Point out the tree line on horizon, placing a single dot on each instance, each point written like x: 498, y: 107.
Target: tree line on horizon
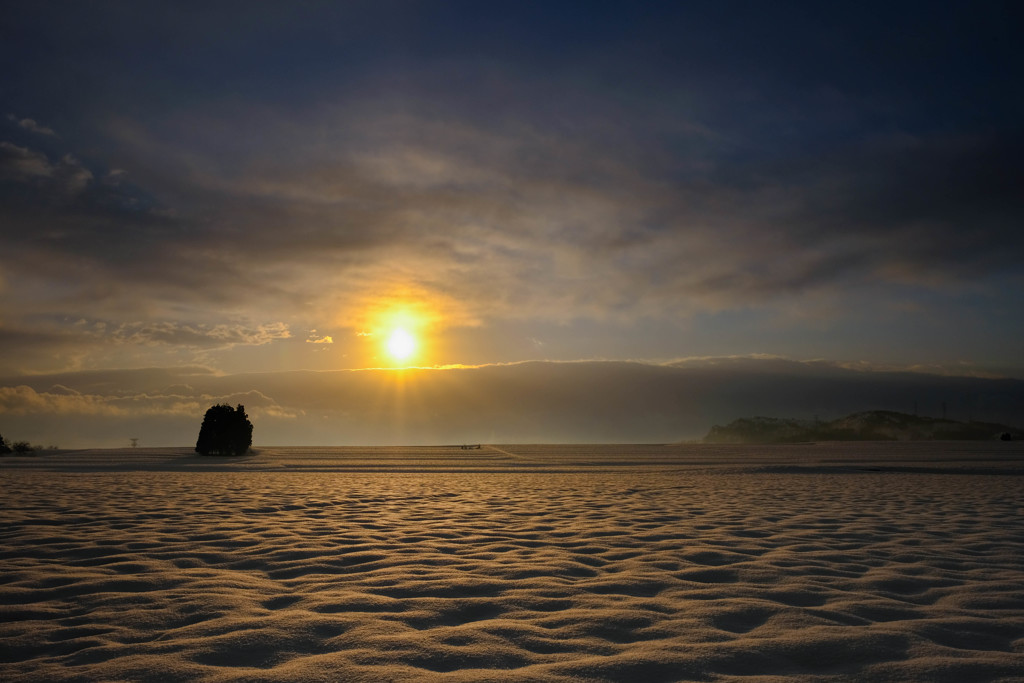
x: 21, y: 447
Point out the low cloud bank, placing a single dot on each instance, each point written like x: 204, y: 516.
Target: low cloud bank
x: 524, y: 402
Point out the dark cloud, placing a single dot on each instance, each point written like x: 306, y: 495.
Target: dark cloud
x: 939, y: 206
x: 474, y: 197
x: 60, y: 207
x: 944, y: 208
x: 633, y: 164
x: 922, y: 211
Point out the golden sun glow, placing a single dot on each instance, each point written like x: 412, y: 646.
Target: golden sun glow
x: 399, y: 330
x: 401, y: 344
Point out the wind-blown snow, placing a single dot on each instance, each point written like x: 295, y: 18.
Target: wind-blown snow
x: 832, y: 562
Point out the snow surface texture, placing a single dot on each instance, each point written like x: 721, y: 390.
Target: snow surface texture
x: 829, y: 562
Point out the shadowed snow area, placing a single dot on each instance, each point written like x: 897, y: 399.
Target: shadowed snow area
x: 816, y: 562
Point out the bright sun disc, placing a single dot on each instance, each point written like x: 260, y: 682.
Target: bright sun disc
x: 401, y: 344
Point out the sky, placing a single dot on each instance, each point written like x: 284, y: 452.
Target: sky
x: 248, y: 202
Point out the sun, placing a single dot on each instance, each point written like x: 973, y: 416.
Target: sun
x: 401, y: 344
x: 399, y: 332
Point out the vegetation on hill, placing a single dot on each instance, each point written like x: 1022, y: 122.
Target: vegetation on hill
x: 872, y: 425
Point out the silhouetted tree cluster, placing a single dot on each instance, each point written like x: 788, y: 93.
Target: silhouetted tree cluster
x: 225, y: 431
x: 18, y: 447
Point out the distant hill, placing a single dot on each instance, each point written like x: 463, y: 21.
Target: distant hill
x: 872, y: 425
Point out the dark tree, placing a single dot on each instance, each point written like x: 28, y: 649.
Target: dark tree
x: 4, y: 448
x: 225, y: 431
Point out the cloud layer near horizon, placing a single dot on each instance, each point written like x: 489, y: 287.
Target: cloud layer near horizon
x: 521, y: 402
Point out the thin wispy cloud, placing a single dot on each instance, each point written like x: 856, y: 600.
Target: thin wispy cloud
x: 32, y: 125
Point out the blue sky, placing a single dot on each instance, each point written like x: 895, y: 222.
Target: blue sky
x: 275, y: 187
